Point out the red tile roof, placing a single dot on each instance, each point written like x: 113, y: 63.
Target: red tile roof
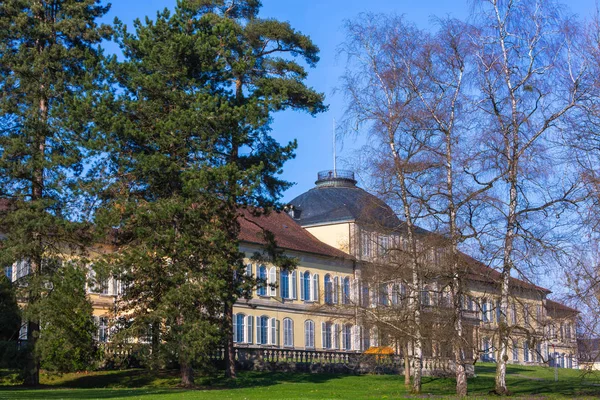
x: 288, y: 234
x: 556, y: 306
x: 479, y: 271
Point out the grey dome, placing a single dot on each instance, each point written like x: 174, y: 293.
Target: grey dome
x: 336, y: 198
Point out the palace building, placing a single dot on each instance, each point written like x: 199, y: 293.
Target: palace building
x: 336, y: 231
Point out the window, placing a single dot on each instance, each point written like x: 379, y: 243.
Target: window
x: 272, y: 282
x: 538, y: 350
x: 262, y: 330
x: 288, y: 332
x: 515, y: 350
x: 366, y: 244
x: 347, y: 337
x: 383, y: 295
x: 485, y: 311
x: 23, y: 268
x: 346, y: 291
x: 248, y: 270
x: 23, y: 331
x: 526, y: 314
x: 539, y: 315
x: 262, y: 285
x: 498, y: 311
x: 567, y: 331
x: 8, y: 272
x: 309, y: 334
x: 525, y: 351
x: 487, y: 350
x: 514, y: 314
x: 284, y: 285
x: 328, y: 289
x: 470, y: 304
x: 326, y: 334
x: 305, y: 286
x: 103, y: 329
x: 366, y: 337
x: 309, y: 286
x: 238, y: 328
x: 425, y: 297
x: 365, y: 295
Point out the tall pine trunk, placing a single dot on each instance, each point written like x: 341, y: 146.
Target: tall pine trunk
x: 230, y: 349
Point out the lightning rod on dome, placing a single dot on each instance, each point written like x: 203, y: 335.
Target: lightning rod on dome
x: 334, y: 166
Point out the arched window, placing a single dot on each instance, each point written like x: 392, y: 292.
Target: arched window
x: 515, y: 351
x: 347, y: 337
x: 309, y: 334
x: 262, y: 330
x: 328, y: 289
x: 238, y: 328
x: 305, y: 285
x: 288, y: 332
x: 262, y: 286
x: 525, y: 351
x: 346, y: 291
x: 284, y: 285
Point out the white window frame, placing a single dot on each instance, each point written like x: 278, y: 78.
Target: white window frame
x: 288, y: 332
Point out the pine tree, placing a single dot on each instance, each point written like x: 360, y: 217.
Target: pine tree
x: 192, y: 145
x: 67, y: 343
x: 48, y: 71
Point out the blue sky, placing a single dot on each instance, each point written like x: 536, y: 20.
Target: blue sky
x: 322, y: 20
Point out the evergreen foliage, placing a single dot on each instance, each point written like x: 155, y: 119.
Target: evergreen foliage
x: 67, y: 343
x: 10, y: 322
x: 189, y: 144
x: 48, y: 72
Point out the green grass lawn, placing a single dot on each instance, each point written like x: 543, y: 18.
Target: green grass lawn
x: 528, y: 382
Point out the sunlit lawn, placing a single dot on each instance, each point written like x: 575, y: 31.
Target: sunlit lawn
x: 529, y: 382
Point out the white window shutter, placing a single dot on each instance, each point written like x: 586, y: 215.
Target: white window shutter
x: 336, y: 336
x: 249, y: 320
x: 323, y: 336
x: 302, y: 287
x: 272, y: 331
x: 249, y: 270
x: 356, y: 337
x: 315, y: 293
x: 258, y: 329
x: 293, y: 285
x: 354, y: 291
x: 306, y: 342
x: 235, y: 338
x: 272, y: 280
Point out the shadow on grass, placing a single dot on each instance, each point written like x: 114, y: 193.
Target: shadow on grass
x: 140, y: 383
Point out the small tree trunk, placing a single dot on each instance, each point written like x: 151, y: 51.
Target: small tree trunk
x: 406, y: 367
x: 229, y: 348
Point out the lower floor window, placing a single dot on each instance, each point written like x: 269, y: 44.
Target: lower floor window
x: 288, y: 332
x: 309, y: 334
